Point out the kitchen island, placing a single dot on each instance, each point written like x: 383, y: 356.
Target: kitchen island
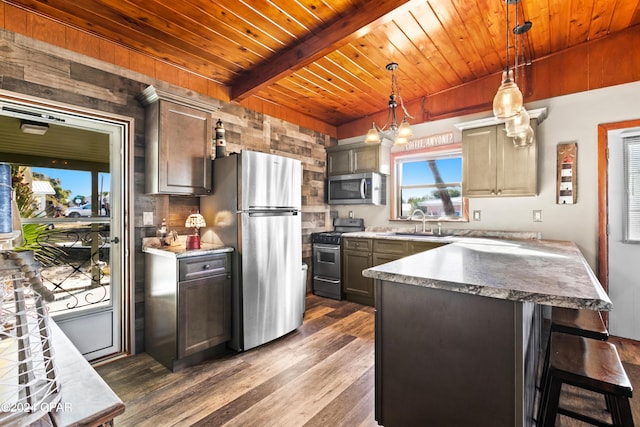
x: 458, y: 328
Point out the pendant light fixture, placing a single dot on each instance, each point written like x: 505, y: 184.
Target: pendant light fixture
x: 508, y: 99
x: 508, y: 102
x: 399, y: 134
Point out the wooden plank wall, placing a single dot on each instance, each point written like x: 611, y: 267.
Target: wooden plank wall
x: 35, y: 68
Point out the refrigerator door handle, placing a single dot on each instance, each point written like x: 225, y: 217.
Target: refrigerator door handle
x: 363, y: 188
x: 272, y: 208
x: 273, y: 213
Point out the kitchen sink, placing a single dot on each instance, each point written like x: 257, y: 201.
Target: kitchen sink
x: 410, y: 234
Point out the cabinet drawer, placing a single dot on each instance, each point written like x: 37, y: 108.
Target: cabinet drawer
x: 357, y: 244
x: 203, y: 266
x: 390, y: 246
x: 415, y: 247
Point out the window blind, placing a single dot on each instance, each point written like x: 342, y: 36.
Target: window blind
x: 632, y: 188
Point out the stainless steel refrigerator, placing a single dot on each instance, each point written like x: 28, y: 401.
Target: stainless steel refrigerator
x: 255, y: 207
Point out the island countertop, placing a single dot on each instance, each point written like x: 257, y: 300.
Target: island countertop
x: 545, y: 272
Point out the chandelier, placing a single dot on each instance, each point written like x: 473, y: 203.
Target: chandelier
x: 399, y: 134
x: 508, y: 101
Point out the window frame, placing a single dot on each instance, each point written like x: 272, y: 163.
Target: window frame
x: 418, y: 154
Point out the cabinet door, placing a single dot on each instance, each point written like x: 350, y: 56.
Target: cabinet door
x: 366, y: 159
x: 357, y: 287
x: 339, y: 162
x: 184, y: 157
x: 204, y: 313
x: 479, y: 161
x: 516, y: 166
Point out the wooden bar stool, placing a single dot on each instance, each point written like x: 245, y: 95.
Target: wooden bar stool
x: 582, y: 322
x: 588, y: 364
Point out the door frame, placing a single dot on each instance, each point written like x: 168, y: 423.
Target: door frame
x: 603, y: 199
x: 126, y: 232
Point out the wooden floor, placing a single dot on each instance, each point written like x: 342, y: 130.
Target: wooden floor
x: 320, y: 375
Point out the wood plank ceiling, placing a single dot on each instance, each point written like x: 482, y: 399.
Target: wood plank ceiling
x: 327, y: 58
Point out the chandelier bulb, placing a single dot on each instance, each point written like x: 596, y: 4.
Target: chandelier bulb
x: 404, y: 131
x: 372, y: 135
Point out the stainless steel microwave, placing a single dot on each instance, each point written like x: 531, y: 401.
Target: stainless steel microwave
x: 357, y: 189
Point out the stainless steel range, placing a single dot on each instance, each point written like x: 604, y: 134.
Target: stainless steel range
x: 326, y: 257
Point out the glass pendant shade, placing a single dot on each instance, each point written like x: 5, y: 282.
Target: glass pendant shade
x: 517, y: 124
x: 404, y: 131
x: 508, y: 100
x: 525, y: 138
x: 372, y: 135
x: 399, y: 140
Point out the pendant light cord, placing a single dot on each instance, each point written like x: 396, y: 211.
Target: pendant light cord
x: 506, y: 32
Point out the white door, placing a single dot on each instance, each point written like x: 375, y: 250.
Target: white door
x: 624, y: 269
x: 86, y: 269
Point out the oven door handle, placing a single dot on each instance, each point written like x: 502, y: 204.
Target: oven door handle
x: 325, y: 279
x: 326, y: 247
x: 363, y: 188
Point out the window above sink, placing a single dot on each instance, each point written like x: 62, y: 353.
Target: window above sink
x: 429, y: 180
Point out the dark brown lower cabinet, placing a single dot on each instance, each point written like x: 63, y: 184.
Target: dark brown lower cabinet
x: 359, y: 254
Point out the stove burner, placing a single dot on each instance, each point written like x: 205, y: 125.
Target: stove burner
x: 340, y: 226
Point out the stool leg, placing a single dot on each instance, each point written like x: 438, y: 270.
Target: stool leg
x: 551, y: 403
x: 621, y: 412
x: 544, y: 392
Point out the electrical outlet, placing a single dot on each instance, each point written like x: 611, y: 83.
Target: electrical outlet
x: 537, y: 216
x: 147, y: 218
x: 476, y: 215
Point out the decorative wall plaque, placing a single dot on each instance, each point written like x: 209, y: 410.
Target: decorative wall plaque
x: 567, y: 186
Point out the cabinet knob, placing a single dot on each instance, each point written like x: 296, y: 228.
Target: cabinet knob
x: 205, y: 267
x: 499, y: 192
x: 493, y: 192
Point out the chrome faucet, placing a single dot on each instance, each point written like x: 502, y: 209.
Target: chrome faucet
x: 424, y: 219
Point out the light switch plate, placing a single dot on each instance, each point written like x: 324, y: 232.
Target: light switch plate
x: 537, y: 216
x: 476, y: 215
x: 147, y: 218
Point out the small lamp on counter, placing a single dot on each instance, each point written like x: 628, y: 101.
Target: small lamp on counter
x: 195, y: 221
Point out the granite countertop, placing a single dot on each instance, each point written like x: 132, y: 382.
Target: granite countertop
x: 177, y: 248
x: 541, y: 271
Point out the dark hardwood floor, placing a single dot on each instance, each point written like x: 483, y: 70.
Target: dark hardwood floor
x: 320, y: 375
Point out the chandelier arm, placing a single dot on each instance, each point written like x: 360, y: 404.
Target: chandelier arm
x: 384, y: 126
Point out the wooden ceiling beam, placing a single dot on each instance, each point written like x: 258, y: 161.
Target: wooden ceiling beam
x: 336, y: 35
